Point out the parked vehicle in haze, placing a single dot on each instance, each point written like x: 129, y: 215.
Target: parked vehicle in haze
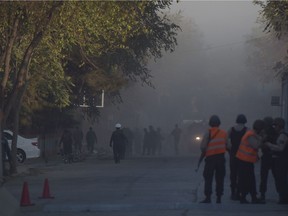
x: 26, y: 147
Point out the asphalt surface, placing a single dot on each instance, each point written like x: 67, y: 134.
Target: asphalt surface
x: 137, y: 186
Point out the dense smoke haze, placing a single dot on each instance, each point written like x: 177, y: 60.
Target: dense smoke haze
x: 212, y: 71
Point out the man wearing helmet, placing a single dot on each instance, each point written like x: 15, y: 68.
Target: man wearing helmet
x: 247, y: 155
x: 117, y: 142
x: 214, y: 146
x: 235, y: 134
x: 280, y: 160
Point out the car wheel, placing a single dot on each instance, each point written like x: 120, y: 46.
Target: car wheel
x: 21, y: 156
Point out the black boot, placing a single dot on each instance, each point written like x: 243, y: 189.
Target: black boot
x: 206, y: 200
x: 218, y: 200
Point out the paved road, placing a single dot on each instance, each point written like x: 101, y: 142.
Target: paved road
x: 139, y: 186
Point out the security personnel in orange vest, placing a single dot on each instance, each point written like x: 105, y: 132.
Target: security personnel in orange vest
x: 248, y: 155
x: 214, y: 146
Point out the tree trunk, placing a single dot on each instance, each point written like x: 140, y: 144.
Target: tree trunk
x: 15, y: 129
x: 19, y: 87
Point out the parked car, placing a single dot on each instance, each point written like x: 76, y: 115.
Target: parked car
x: 26, y: 147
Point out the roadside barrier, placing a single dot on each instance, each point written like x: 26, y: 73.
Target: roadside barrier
x: 25, y: 198
x: 46, y: 191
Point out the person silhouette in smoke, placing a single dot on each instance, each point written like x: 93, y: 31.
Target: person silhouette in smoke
x: 145, y: 148
x: 117, y: 142
x: 176, y: 133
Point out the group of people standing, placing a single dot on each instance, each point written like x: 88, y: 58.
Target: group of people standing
x: 125, y: 143
x: 70, y: 141
x: 122, y: 141
x: 152, y: 141
x: 243, y: 145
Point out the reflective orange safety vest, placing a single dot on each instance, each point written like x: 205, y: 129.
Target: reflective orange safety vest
x: 245, y: 151
x: 217, y: 143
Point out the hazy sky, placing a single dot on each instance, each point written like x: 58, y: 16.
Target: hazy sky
x: 222, y: 22
x: 196, y: 82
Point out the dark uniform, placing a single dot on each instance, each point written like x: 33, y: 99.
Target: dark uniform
x: 248, y: 155
x: 66, y: 141
x: 235, y: 139
x: 91, y: 139
x: 118, y: 141
x: 266, y: 159
x: 280, y: 160
x: 214, y: 146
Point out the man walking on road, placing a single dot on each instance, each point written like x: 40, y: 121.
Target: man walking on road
x: 214, y: 146
x: 91, y: 139
x: 117, y: 142
x: 66, y: 145
x: 176, y: 133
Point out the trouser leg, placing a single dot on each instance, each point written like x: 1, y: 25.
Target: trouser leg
x: 233, y: 175
x: 253, y: 190
x: 243, y: 179
x: 275, y: 174
x: 281, y: 179
x: 219, y: 177
x: 264, y: 170
x: 208, y: 177
x: 115, y: 154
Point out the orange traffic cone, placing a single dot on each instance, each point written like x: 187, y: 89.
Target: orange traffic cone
x: 46, y: 191
x: 25, y: 199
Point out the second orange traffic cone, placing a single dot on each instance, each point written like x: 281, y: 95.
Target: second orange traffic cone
x: 46, y: 191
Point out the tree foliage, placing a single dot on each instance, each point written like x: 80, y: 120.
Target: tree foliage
x: 275, y: 17
x: 51, y: 51
x: 87, y: 45
x: 275, y: 14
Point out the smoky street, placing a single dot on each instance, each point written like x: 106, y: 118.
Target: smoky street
x: 136, y: 186
x: 131, y: 108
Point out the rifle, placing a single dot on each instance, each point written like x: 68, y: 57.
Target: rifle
x: 202, y: 156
